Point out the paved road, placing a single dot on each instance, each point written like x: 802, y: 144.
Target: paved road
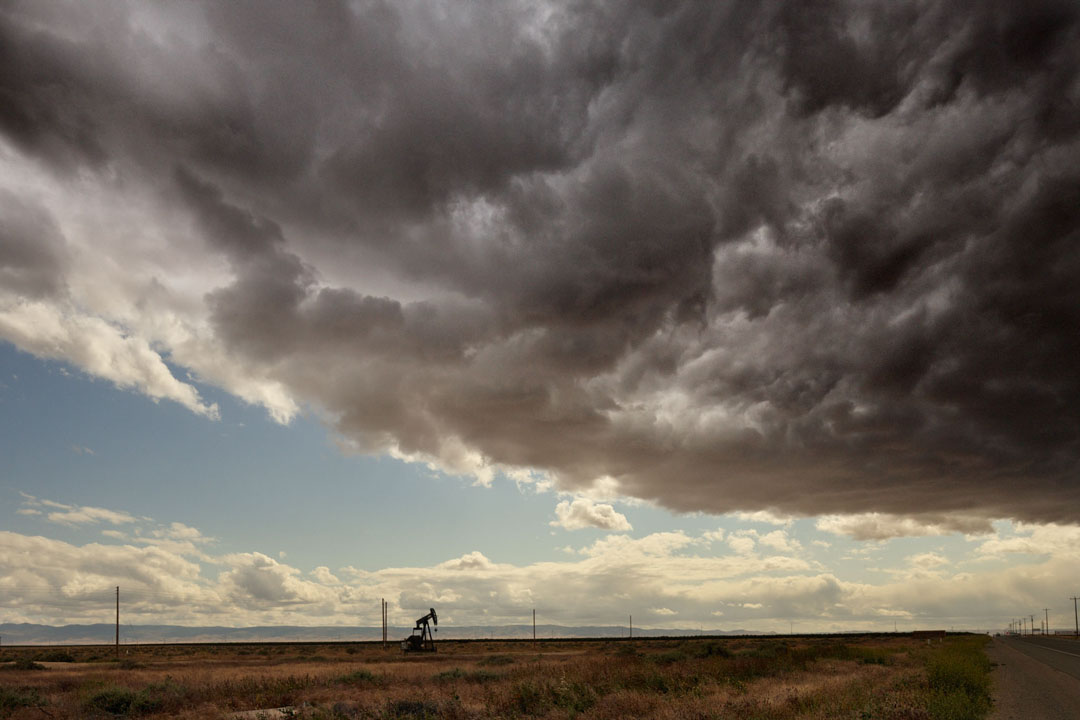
x: 1036, y: 678
x: 1059, y: 653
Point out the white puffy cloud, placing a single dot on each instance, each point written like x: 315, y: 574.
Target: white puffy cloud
x: 469, y: 561
x: 882, y: 526
x: 927, y: 560
x: 88, y: 515
x: 323, y: 575
x: 181, y: 532
x: 741, y: 544
x: 584, y: 513
x: 72, y: 515
x: 97, y: 347
x: 765, y: 517
x: 672, y: 577
x: 1062, y: 541
x: 780, y: 541
x: 714, y: 535
x: 256, y: 580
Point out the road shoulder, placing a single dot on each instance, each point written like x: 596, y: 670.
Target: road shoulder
x: 1025, y: 688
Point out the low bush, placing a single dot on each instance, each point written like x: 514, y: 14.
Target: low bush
x: 669, y: 657
x: 476, y: 676
x: 494, y: 660
x: 12, y: 698
x: 710, y: 649
x: 121, y: 701
x: 411, y: 709
x: 958, y: 675
x: 359, y: 677
x: 528, y: 698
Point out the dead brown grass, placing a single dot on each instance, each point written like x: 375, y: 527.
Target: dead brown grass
x: 763, y: 679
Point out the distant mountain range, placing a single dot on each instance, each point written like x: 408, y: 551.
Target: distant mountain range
x: 104, y: 633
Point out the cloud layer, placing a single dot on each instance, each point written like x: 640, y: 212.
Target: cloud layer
x: 170, y: 573
x: 804, y: 257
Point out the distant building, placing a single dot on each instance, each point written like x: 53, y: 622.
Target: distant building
x: 928, y: 634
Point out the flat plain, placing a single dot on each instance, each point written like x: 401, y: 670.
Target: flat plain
x: 889, y: 677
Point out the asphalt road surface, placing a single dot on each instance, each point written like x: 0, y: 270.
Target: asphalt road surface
x: 1036, y: 678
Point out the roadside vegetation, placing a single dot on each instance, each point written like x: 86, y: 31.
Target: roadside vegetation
x: 958, y: 680
x: 883, y: 677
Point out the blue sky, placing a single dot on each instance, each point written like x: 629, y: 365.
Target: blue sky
x: 585, y: 307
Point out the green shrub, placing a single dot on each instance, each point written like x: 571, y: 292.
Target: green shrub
x: 11, y: 699
x: 411, y: 709
x: 121, y: 701
x: 669, y: 657
x: 528, y: 698
x: 863, y: 655
x: 25, y: 663
x: 576, y: 697
x: 452, y: 674
x: 359, y: 677
x: 710, y: 649
x: 958, y: 676
x: 55, y: 656
x: 492, y: 660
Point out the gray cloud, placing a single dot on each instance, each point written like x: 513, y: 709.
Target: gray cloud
x: 32, y: 249
x: 815, y: 258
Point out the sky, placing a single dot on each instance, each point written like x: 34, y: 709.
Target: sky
x: 744, y: 315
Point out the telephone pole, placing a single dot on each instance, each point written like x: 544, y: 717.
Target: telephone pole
x: 117, y: 622
x: 383, y: 607
x: 1075, y: 620
x: 631, y: 627
x: 1032, y: 625
x: 534, y: 626
x: 1046, y: 627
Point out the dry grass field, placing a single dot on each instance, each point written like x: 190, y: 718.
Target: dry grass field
x: 880, y: 677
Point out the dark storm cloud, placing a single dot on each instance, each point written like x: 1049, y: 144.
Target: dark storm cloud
x: 819, y: 257
x: 32, y: 249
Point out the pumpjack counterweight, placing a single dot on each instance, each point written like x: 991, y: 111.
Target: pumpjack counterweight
x: 422, y: 638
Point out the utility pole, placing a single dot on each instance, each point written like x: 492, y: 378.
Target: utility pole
x: 1031, y: 627
x: 534, y: 626
x: 117, y: 622
x: 1046, y: 626
x: 631, y: 627
x: 1075, y: 620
